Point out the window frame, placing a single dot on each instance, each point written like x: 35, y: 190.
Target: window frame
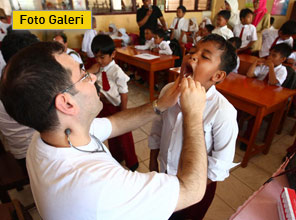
x: 209, y: 5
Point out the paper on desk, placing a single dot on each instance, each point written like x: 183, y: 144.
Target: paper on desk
x: 147, y: 56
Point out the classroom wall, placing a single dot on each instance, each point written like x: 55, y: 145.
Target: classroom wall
x: 129, y: 21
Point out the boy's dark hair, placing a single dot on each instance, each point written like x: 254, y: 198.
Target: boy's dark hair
x: 244, y: 12
x: 271, y: 20
x: 228, y: 56
x: 283, y: 49
x: 225, y: 14
x: 236, y: 41
x: 102, y: 43
x: 149, y: 28
x: 14, y: 42
x: 30, y: 83
x: 64, y: 36
x: 160, y: 33
x: 288, y: 28
x: 182, y: 8
x: 210, y: 27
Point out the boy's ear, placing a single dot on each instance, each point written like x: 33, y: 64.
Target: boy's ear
x: 219, y: 76
x: 113, y: 54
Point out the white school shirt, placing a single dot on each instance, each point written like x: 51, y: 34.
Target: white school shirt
x: 182, y: 26
x: 164, y: 47
x: 292, y: 56
x: 86, y: 42
x: 2, y: 63
x: 268, y: 37
x: 74, y: 55
x: 4, y: 27
x: 16, y: 137
x: 70, y: 184
x: 280, y: 71
x: 147, y: 46
x: 220, y: 130
x: 117, y: 80
x: 223, y: 31
x: 249, y: 34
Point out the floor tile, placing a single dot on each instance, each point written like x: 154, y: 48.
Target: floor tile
x: 147, y: 127
x: 218, y: 210
x: 142, y: 168
x: 233, y: 191
x: 142, y: 150
x: 139, y: 135
x: 251, y: 175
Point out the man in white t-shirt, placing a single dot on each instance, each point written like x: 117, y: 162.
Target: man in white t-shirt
x: 72, y: 174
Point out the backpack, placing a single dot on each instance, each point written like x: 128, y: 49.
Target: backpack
x: 177, y: 51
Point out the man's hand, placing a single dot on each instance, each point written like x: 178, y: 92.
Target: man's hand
x: 193, y: 97
x: 149, y: 12
x: 170, y: 97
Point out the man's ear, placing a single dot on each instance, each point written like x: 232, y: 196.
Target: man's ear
x: 66, y: 104
x: 219, y: 76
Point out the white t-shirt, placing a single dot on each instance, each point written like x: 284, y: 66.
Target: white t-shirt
x: 223, y: 31
x: 117, y: 80
x: 86, y: 42
x: 15, y: 137
x: 70, y: 184
x: 220, y: 130
x: 293, y: 56
x: 280, y: 71
x: 182, y: 26
x: 164, y: 47
x: 249, y: 34
x: 268, y: 37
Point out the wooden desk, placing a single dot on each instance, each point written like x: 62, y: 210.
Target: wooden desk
x: 258, y: 99
x: 245, y: 63
x: 126, y: 54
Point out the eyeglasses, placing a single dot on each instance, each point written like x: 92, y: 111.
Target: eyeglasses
x: 86, y: 77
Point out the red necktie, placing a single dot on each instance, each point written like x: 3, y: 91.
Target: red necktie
x: 105, y: 82
x: 274, y: 42
x: 176, y: 26
x: 241, y: 33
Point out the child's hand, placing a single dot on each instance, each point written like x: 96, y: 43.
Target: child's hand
x: 269, y: 63
x: 260, y: 61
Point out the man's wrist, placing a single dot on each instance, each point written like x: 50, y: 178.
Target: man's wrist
x: 157, y: 109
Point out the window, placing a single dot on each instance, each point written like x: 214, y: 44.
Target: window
x: 111, y: 6
x: 191, y: 5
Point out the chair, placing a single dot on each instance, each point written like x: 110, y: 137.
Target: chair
x: 11, y: 174
x: 289, y: 83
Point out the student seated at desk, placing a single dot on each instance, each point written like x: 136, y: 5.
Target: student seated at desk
x: 122, y: 35
x: 271, y: 70
x: 113, y: 32
x: 149, y: 40
x: 221, y: 25
x: 236, y: 42
x: 246, y: 31
x: 202, y: 32
x: 273, y: 37
x: 160, y: 45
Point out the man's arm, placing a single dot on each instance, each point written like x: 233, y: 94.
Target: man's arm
x: 162, y: 21
x: 192, y: 171
x: 136, y: 117
x: 145, y: 19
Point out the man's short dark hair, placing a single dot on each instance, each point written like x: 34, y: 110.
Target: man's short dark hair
x: 102, y: 43
x: 14, y: 42
x: 182, y: 8
x: 244, y: 12
x: 160, y: 33
x: 228, y: 56
x: 288, y: 28
x: 283, y: 49
x: 236, y: 42
x: 30, y: 83
x: 210, y: 27
x: 225, y: 14
x: 62, y: 35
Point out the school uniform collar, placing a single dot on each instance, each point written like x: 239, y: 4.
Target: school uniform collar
x: 224, y: 27
x: 277, y: 67
x: 106, y: 68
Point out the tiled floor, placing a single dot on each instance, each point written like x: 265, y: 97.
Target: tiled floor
x: 232, y: 192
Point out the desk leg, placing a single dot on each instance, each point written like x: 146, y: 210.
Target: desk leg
x: 151, y: 85
x: 275, y: 121
x: 253, y: 135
